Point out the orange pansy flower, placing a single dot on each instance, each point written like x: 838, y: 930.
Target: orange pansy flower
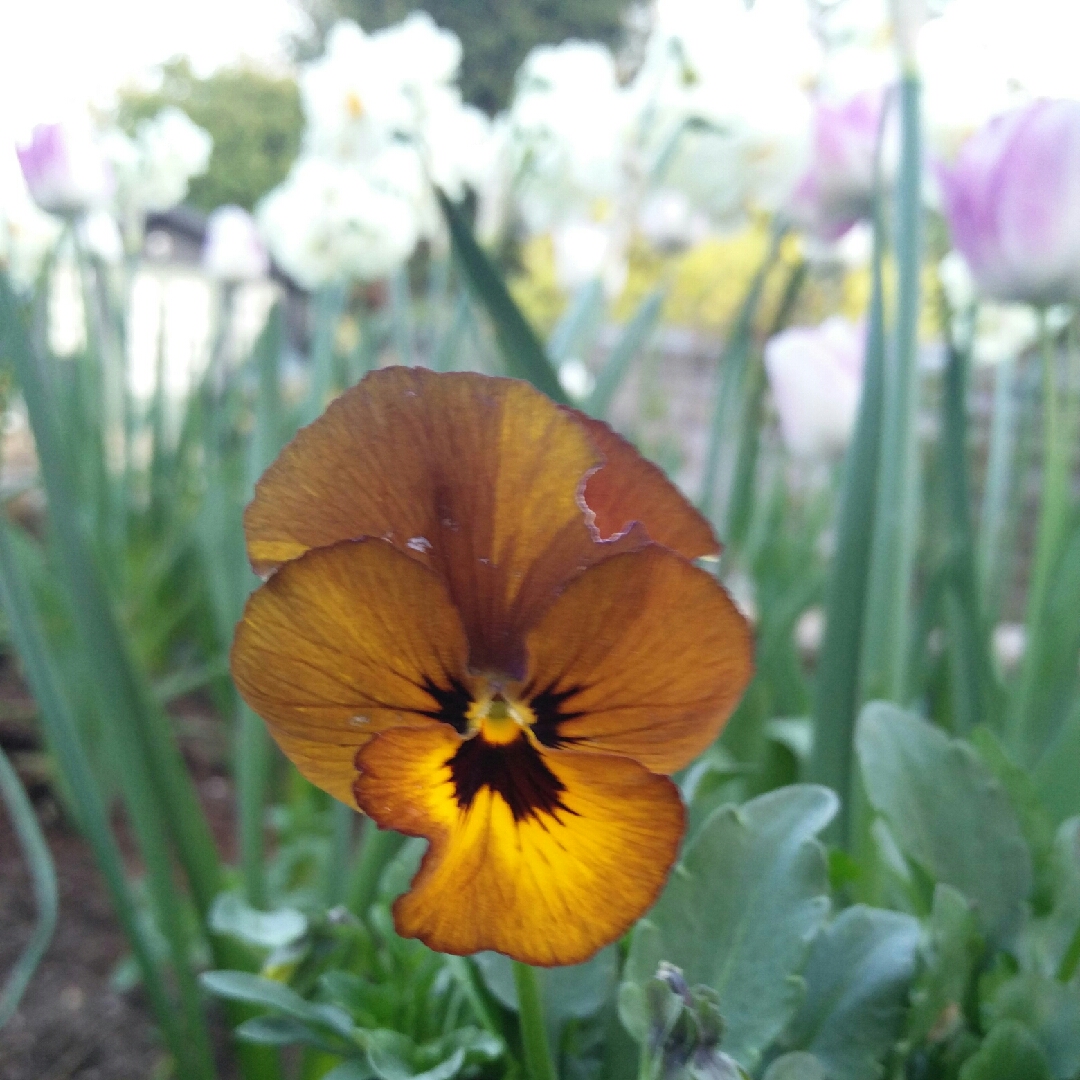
x: 482, y: 626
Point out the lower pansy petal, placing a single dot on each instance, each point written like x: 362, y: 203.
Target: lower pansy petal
x: 545, y: 856
x: 345, y: 642
x: 644, y: 654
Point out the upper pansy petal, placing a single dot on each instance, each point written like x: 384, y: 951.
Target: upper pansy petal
x: 644, y: 654
x: 627, y: 488
x: 552, y: 887
x: 478, y: 477
x: 345, y: 642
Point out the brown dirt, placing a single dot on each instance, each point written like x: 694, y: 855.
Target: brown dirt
x: 71, y: 1025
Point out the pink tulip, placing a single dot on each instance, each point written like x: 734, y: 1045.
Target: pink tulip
x: 1012, y: 200
x: 64, y: 170
x: 837, y: 188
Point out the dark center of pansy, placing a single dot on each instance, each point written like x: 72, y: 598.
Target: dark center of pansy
x: 504, y: 732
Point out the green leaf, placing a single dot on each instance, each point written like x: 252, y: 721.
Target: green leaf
x: 1050, y: 1010
x: 857, y: 981
x: 569, y: 993
x: 632, y: 340
x: 738, y: 914
x: 887, y: 617
x: 950, y: 953
x: 521, y: 349
x: 350, y: 1070
x: 393, y: 1057
x: 1058, y: 935
x: 43, y: 874
x: 578, y: 322
x: 1026, y: 799
x: 1009, y: 1052
x: 231, y: 915
x: 1054, y: 774
x: 796, y: 1066
x: 836, y: 690
x: 287, y: 1031
x: 947, y: 813
x: 255, y: 990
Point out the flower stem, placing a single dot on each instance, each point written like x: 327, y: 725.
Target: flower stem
x: 1053, y: 509
x: 538, y: 1063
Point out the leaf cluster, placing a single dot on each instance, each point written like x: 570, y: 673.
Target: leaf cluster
x: 254, y: 118
x: 496, y: 35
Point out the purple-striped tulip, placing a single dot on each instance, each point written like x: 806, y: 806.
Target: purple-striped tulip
x: 1012, y: 200
x: 837, y: 188
x: 64, y: 170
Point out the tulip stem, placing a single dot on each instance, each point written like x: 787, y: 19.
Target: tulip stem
x: 538, y: 1063
x: 1053, y: 512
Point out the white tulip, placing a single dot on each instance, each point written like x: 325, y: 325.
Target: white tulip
x: 815, y: 374
x: 233, y: 249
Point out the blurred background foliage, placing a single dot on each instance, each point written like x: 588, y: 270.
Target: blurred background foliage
x: 254, y: 118
x: 496, y: 35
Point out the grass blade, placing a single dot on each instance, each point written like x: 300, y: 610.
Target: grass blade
x: 577, y: 323
x: 994, y: 525
x: 158, y: 792
x: 632, y: 340
x: 741, y: 501
x: 733, y: 362
x: 836, y: 691
x: 522, y: 351
x: 66, y: 744
x: 885, y: 650
x: 972, y: 677
x: 43, y: 873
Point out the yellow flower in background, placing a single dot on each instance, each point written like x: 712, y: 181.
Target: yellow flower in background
x: 482, y: 626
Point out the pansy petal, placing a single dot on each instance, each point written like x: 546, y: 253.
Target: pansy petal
x: 644, y: 655
x: 478, y: 477
x: 549, y: 888
x: 628, y: 488
x: 343, y: 643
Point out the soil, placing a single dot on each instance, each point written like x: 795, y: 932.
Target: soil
x: 72, y: 1024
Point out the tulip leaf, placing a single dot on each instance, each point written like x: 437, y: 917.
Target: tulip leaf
x: 631, y: 341
x: 577, y: 323
x: 1054, y: 774
x: 1009, y: 1052
x: 857, y: 981
x: 521, y: 349
x: 947, y: 813
x: 739, y: 914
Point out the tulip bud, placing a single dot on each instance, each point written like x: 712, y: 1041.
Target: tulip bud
x: 64, y: 170
x: 1012, y: 201
x: 816, y: 377
x: 837, y: 190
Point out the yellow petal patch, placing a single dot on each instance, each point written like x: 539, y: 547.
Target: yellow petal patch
x: 341, y: 644
x: 648, y: 652
x: 548, y: 885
